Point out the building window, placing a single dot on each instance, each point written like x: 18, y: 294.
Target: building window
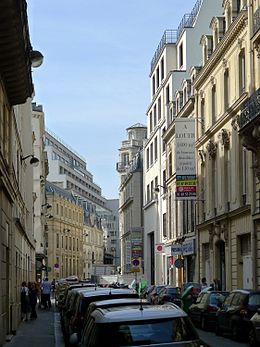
x: 226, y: 89
x: 167, y: 95
x: 162, y: 69
x: 157, y: 77
x: 181, y: 56
x: 159, y: 108
x: 151, y: 122
x: 155, y: 148
x: 242, y: 72
x: 202, y: 116
x: 57, y: 241
x: 148, y: 193
x: 154, y: 116
x: 153, y: 84
x: 213, y: 104
x: 170, y: 164
x: 164, y: 225
x: 163, y: 142
x: 147, y: 158
x: 151, y: 153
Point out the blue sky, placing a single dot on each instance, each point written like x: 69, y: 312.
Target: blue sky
x: 94, y: 82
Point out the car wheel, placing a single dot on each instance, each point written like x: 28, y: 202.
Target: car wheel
x: 218, y: 330
x: 252, y: 338
x: 203, y: 323
x: 235, y: 332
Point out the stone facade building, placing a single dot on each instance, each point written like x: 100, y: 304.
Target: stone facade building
x: 130, y: 168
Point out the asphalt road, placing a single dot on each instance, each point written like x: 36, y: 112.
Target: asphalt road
x: 219, y: 341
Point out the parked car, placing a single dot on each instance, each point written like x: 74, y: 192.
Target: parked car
x: 153, y: 325
x: 203, y: 311
x: 84, y: 298
x: 69, y: 310
x: 169, y: 294
x: 152, y: 296
x: 236, y: 311
x: 254, y: 332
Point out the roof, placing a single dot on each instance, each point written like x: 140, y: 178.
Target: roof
x: 132, y: 313
x: 15, y: 48
x: 137, y: 125
x: 54, y: 189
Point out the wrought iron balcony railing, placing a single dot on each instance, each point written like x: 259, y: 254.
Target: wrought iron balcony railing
x: 250, y: 109
x: 256, y: 21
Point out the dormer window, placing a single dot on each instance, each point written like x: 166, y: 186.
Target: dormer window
x: 218, y: 27
x: 207, y: 47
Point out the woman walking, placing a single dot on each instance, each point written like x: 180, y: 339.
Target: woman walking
x: 33, y: 300
x: 24, y: 301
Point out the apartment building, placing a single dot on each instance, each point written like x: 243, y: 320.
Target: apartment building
x: 170, y: 68
x: 130, y: 169
x: 17, y: 261
x: 68, y: 170
x: 41, y: 207
x: 227, y: 108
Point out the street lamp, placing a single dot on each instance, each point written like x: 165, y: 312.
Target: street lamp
x: 33, y: 161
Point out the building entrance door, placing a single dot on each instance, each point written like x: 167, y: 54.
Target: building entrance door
x: 221, y: 263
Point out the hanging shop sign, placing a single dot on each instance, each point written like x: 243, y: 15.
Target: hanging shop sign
x: 159, y: 248
x: 188, y: 247
x: 185, y: 159
x: 176, y: 249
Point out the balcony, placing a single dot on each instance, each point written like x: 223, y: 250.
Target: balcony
x: 250, y: 110
x: 121, y: 167
x: 249, y: 127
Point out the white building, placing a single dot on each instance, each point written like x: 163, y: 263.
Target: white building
x: 176, y: 53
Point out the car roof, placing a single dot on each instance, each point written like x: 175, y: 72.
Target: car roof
x: 108, y: 291
x: 133, y: 313
x: 118, y: 302
x: 246, y: 291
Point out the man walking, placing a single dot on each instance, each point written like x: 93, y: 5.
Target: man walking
x: 46, y: 293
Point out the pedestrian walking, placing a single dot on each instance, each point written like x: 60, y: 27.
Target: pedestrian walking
x: 53, y: 288
x: 46, y: 293
x: 204, y: 283
x: 216, y: 284
x: 33, y: 300
x: 25, y: 305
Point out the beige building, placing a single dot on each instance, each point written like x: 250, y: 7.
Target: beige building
x: 130, y: 168
x: 63, y: 234
x: 41, y: 207
x: 17, y: 260
x: 226, y: 84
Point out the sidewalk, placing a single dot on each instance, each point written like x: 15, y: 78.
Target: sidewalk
x: 42, y: 332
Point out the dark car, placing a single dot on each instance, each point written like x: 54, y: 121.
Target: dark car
x: 254, y: 332
x: 84, y: 298
x: 236, y: 311
x: 153, y: 325
x: 169, y: 294
x: 203, y: 311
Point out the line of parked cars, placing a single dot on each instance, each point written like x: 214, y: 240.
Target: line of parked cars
x: 236, y: 313
x: 95, y: 316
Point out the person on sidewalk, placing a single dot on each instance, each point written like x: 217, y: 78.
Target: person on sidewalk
x: 46, y: 293
x: 33, y: 300
x: 25, y: 305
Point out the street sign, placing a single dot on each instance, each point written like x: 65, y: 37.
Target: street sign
x: 178, y: 263
x: 136, y: 265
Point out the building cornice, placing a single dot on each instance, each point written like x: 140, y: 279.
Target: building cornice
x: 217, y: 56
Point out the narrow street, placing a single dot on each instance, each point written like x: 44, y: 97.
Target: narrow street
x: 42, y: 332
x: 46, y: 331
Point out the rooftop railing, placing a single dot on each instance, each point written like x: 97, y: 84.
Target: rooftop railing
x: 172, y: 36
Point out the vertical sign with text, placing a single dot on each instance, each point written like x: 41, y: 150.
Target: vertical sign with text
x: 185, y: 159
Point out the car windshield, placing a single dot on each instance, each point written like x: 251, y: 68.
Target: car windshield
x: 254, y: 300
x: 148, y: 332
x: 215, y: 299
x: 172, y: 291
